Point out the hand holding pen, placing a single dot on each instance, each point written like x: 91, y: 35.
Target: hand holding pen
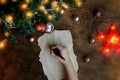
x: 61, y: 53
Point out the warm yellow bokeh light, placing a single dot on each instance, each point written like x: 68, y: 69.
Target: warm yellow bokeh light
x: 23, y: 6
x: 3, y: 44
x: 45, y: 12
x: 28, y: 1
x: 6, y: 34
x: 14, y: 0
x: 9, y: 18
x: 62, y: 11
x: 29, y: 14
x: 54, y: 4
x: 50, y: 17
x: 46, y: 1
x: 41, y: 7
x: 65, y: 5
x: 58, y: 9
x: 78, y: 2
x: 0, y: 20
x: 3, y: 2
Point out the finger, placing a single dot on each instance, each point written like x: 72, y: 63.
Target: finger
x: 59, y: 47
x: 52, y: 53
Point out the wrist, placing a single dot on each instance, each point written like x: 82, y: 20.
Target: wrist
x: 67, y: 63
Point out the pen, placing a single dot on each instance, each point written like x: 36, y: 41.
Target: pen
x: 57, y: 53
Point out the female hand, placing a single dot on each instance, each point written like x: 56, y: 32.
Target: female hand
x: 63, y: 53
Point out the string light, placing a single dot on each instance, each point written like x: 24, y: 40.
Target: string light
x: 54, y: 4
x: 41, y: 8
x: 62, y: 11
x: 29, y: 14
x: 23, y: 6
x: 3, y: 2
x: 14, y: 0
x: 28, y: 1
x: 58, y: 9
x: 3, y: 44
x: 45, y: 12
x: 111, y: 40
x: 46, y: 1
x: 9, y: 18
x: 65, y: 5
x: 50, y: 17
x: 6, y: 34
x: 78, y: 2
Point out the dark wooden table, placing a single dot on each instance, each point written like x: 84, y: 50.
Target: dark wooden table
x: 20, y: 61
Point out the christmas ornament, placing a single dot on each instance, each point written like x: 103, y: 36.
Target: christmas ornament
x: 111, y: 40
x: 40, y: 27
x: 86, y: 59
x: 21, y: 13
x: 49, y: 27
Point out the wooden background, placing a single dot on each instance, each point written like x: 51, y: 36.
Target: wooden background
x: 20, y: 61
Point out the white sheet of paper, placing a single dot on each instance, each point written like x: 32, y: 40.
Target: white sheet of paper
x: 52, y: 68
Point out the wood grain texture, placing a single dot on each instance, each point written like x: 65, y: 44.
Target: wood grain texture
x: 20, y: 61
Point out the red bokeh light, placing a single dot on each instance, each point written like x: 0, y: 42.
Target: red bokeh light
x: 111, y: 40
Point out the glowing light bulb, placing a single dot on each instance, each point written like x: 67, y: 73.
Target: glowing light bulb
x: 62, y: 11
x: 50, y: 17
x: 28, y: 1
x: 41, y: 8
x: 106, y: 51
x: 29, y: 14
x: 46, y: 1
x: 9, y: 18
x: 3, y: 44
x: 54, y: 4
x: 65, y: 5
x: 23, y: 6
x: 3, y: 2
x: 101, y: 36
x: 6, y: 34
x: 114, y: 40
x: 58, y: 9
x: 78, y: 2
x: 45, y: 12
x: 14, y: 0
x: 112, y: 27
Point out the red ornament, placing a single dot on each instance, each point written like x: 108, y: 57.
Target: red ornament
x: 40, y: 27
x: 111, y: 40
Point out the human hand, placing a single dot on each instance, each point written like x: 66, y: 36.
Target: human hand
x: 63, y: 53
